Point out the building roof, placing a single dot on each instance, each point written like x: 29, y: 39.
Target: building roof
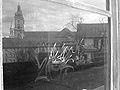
x: 15, y: 42
x: 32, y: 38
x: 49, y: 36
x: 92, y: 30
x: 40, y: 34
x: 65, y: 32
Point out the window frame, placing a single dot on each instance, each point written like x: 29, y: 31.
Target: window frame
x: 114, y: 47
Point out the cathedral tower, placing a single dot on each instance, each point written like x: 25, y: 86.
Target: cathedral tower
x: 19, y: 23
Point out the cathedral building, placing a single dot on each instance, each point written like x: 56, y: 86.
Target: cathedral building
x: 18, y: 30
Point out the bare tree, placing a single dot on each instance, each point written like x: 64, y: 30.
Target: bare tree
x: 74, y: 20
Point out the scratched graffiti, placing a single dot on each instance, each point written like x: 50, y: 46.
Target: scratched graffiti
x: 56, y: 61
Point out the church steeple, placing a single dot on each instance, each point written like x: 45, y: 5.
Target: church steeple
x: 19, y: 23
x: 18, y: 8
x: 19, y: 11
x: 11, y: 30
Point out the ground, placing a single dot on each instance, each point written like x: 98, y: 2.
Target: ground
x: 85, y: 79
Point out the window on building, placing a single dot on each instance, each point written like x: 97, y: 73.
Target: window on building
x: 96, y: 43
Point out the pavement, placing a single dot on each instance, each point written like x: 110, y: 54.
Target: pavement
x: 89, y: 79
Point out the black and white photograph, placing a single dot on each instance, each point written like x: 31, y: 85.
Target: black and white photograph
x: 60, y: 45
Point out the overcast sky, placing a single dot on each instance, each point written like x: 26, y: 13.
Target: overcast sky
x: 41, y: 15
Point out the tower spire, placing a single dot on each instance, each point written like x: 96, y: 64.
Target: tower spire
x: 19, y: 23
x: 18, y: 7
x: 11, y: 24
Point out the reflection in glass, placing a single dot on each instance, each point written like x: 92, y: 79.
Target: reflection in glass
x: 59, y: 44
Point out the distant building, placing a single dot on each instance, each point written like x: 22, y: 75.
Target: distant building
x: 18, y: 30
x: 13, y: 45
x: 93, y: 36
x: 50, y: 37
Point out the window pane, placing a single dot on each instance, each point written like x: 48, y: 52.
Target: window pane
x: 99, y: 4
x: 57, y: 44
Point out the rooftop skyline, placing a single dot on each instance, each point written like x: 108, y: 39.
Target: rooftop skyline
x: 42, y: 15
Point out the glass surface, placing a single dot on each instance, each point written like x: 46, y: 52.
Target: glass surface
x: 99, y: 4
x: 60, y: 47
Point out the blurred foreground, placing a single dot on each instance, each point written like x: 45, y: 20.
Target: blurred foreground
x: 84, y: 79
